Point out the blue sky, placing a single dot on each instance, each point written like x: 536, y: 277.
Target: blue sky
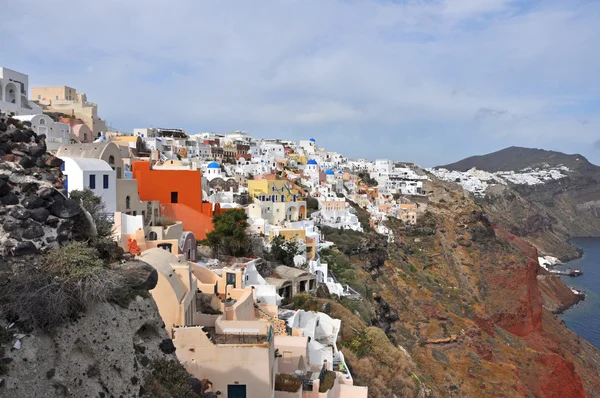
x: 430, y: 81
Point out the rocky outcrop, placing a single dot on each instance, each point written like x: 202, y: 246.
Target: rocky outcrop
x: 107, y: 352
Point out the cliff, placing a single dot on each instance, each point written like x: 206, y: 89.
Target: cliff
x: 546, y: 214
x: 466, y: 299
x: 76, y: 319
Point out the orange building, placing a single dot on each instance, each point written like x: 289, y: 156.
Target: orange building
x: 180, y: 195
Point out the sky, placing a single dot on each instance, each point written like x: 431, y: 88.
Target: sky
x: 426, y: 81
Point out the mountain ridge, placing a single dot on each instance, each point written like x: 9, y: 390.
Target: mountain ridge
x: 515, y: 158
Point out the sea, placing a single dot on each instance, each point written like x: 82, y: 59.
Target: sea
x: 584, y: 318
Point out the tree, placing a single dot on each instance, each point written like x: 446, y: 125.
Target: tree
x: 283, y: 250
x: 229, y: 235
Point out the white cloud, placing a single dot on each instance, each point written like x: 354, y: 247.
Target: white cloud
x: 423, y: 70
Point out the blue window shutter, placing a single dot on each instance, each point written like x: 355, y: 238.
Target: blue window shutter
x: 66, y: 183
x: 92, y: 181
x: 105, y: 181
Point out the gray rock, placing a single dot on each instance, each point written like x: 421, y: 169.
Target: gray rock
x: 23, y: 248
x: 19, y: 213
x: 52, y: 161
x: 52, y: 221
x: 167, y: 346
x: 65, y: 209
x: 37, y: 151
x: 40, y: 214
x: 45, y: 193
x: 33, y: 231
x: 139, y: 275
x: 33, y: 202
x: 19, y: 136
x: 4, y: 188
x: 9, y: 199
x: 27, y: 162
x: 10, y: 224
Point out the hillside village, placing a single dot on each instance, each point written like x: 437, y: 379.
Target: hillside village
x: 162, y: 188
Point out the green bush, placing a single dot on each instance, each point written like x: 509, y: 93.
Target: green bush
x: 229, y: 236
x: 284, y: 250
x: 169, y: 379
x: 306, y: 302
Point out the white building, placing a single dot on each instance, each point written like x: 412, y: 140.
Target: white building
x: 212, y: 171
x: 94, y: 174
x: 14, y: 94
x: 57, y: 134
x: 309, y: 146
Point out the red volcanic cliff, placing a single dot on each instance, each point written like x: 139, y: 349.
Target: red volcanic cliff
x: 514, y: 291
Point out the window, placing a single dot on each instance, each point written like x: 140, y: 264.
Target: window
x: 111, y: 161
x: 42, y: 121
x: 57, y: 97
x: 39, y: 96
x: 152, y: 235
x: 92, y: 181
x: 127, y: 202
x: 165, y: 246
x: 174, y: 197
x: 85, y: 137
x: 287, y: 357
x: 105, y: 181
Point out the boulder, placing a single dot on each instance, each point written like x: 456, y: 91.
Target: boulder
x: 19, y: 213
x: 52, y: 221
x: 139, y: 275
x: 45, y: 193
x: 33, y: 202
x: 40, y: 214
x: 9, y: 199
x: 27, y: 162
x: 167, y: 346
x: 52, y: 161
x: 4, y: 187
x: 25, y: 247
x: 19, y: 136
x: 40, y: 138
x: 33, y: 231
x: 37, y: 151
x: 11, y: 224
x: 65, y: 209
x: 3, y: 125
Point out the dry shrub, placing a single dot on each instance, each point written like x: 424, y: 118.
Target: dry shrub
x: 70, y: 278
x: 169, y: 379
x: 288, y: 383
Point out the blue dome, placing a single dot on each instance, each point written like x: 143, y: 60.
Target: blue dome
x: 329, y: 172
x: 312, y: 161
x: 213, y: 165
x: 340, y: 172
x: 312, y: 140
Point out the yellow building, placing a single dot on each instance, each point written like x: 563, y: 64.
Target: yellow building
x: 272, y: 190
x: 408, y: 213
x: 67, y: 100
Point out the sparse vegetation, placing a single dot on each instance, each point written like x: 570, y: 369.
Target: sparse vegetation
x: 169, y: 379
x: 69, y: 279
x: 97, y: 209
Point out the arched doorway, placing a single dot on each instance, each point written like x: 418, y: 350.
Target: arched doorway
x: 12, y: 94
